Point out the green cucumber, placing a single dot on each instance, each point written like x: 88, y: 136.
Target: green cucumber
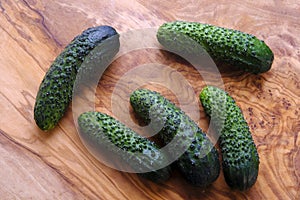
x: 55, y: 91
x: 240, y: 157
x: 200, y: 162
x: 229, y: 46
x: 111, y: 137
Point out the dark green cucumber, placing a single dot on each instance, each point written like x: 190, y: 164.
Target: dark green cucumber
x: 200, y: 162
x: 109, y: 136
x: 230, y: 46
x: 55, y: 91
x: 240, y: 156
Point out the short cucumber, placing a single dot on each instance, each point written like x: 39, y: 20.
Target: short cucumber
x: 240, y: 156
x: 200, y: 162
x: 230, y: 46
x: 55, y: 91
x: 109, y: 136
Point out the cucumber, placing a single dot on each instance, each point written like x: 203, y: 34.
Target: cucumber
x: 240, y: 157
x: 200, y: 162
x: 55, y: 91
x: 111, y: 137
x: 233, y: 47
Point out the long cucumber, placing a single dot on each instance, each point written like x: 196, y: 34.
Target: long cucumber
x: 107, y: 135
x: 240, y: 157
x: 55, y: 91
x: 200, y: 162
x: 239, y: 49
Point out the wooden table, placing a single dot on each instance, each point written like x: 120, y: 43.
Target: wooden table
x: 56, y: 165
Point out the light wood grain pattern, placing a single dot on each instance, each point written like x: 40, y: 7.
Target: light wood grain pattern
x: 55, y: 165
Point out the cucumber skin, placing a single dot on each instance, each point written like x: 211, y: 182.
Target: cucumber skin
x: 240, y: 157
x: 55, y: 91
x: 197, y: 171
x: 102, y: 131
x: 230, y: 46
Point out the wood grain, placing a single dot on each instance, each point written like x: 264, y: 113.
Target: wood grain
x: 56, y: 165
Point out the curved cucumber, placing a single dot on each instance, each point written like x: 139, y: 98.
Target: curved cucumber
x: 240, y: 157
x: 233, y: 47
x: 200, y: 162
x: 55, y: 91
x: 109, y: 136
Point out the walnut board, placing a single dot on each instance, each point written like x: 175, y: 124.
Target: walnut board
x: 56, y: 165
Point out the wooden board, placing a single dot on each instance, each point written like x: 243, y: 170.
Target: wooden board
x: 56, y: 165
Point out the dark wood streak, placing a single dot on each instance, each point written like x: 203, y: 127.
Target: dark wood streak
x: 42, y: 22
x: 22, y: 109
x: 21, y: 45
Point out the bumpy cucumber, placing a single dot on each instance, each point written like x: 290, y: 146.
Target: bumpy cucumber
x: 110, y: 136
x: 240, y: 156
x: 200, y: 162
x: 230, y: 46
x: 55, y: 91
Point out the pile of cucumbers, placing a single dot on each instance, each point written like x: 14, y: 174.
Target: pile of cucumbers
x: 200, y: 163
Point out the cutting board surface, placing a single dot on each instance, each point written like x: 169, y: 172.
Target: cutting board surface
x: 56, y: 164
